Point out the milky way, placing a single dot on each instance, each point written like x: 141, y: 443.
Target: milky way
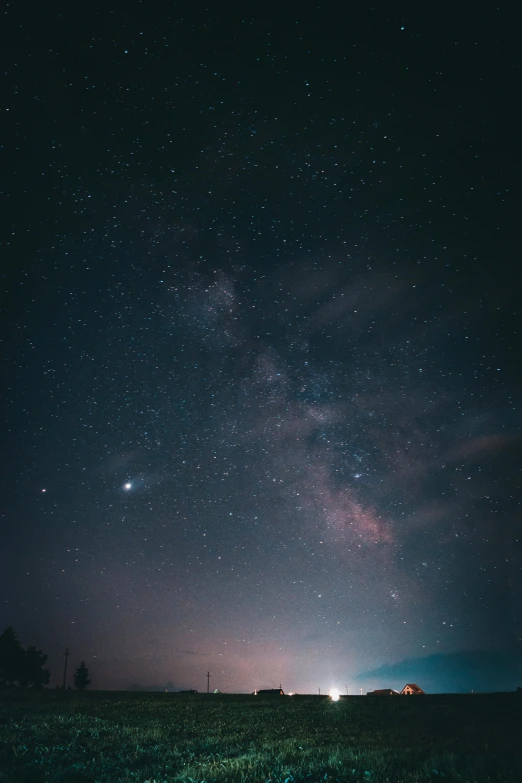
x: 263, y: 402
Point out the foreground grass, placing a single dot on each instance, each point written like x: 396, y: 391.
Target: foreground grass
x: 102, y: 737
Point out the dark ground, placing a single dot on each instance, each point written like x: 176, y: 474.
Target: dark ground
x: 112, y: 736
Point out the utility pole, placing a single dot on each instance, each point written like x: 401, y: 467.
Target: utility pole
x: 319, y: 691
x: 66, y: 653
x: 208, y: 682
x: 346, y: 686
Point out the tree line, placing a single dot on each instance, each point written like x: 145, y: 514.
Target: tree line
x: 25, y: 668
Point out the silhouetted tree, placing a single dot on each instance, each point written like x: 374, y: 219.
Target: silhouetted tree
x: 19, y: 666
x: 34, y: 674
x: 11, y: 658
x: 81, y: 676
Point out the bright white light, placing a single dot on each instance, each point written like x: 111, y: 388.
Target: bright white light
x: 334, y: 694
x: 127, y: 486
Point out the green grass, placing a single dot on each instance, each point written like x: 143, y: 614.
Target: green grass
x: 77, y: 738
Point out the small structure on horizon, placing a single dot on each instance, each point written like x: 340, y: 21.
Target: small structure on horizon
x: 412, y: 690
x: 269, y: 692
x: 383, y: 692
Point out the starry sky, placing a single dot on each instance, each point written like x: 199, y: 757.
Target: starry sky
x: 261, y: 345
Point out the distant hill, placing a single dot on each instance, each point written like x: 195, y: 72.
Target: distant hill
x: 477, y: 670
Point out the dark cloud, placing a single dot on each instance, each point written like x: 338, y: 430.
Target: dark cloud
x: 475, y: 670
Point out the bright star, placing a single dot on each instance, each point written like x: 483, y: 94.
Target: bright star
x: 127, y: 486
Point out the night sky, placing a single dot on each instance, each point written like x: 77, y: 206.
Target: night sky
x: 261, y: 345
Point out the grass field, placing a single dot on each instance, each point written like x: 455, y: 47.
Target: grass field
x: 79, y: 737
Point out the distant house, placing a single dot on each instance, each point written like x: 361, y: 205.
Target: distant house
x: 270, y: 692
x: 383, y: 692
x: 411, y: 690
